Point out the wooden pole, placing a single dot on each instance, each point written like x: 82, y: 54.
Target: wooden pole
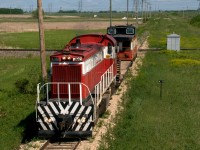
x: 42, y: 41
x: 110, y: 13
x: 127, y: 12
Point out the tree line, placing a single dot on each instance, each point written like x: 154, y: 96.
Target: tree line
x: 11, y: 11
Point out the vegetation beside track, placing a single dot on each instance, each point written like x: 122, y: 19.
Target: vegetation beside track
x: 172, y: 121
x: 150, y: 122
x: 17, y: 107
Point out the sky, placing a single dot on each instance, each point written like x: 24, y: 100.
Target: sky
x: 98, y: 5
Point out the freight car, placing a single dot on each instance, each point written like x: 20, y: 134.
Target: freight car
x: 83, y: 76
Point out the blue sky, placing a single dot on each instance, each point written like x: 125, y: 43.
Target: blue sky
x: 96, y: 5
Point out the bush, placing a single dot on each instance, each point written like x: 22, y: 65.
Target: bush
x: 28, y: 85
x: 195, y: 21
x: 23, y: 85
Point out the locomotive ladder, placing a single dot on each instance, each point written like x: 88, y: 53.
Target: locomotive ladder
x: 118, y: 71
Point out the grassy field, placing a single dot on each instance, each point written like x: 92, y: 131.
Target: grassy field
x: 17, y: 109
x: 172, y: 121
x: 54, y: 39
x: 164, y: 24
x: 151, y: 122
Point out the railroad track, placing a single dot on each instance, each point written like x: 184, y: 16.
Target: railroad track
x: 61, y: 144
x: 23, y: 53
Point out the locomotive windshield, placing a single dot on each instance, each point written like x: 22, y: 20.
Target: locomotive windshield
x: 121, y: 30
x: 130, y: 31
x: 111, y: 31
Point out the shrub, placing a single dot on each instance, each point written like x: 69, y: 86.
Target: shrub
x: 22, y: 85
x: 28, y: 84
x: 195, y: 21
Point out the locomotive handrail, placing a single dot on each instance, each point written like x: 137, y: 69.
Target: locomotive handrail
x: 39, y: 88
x: 101, y: 87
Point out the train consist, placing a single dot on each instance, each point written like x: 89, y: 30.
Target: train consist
x: 83, y: 76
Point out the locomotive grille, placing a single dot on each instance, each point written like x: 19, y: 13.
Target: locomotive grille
x: 66, y: 73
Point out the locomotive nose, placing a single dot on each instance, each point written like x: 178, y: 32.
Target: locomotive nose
x: 64, y: 122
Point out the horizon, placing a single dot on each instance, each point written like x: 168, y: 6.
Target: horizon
x: 103, y: 5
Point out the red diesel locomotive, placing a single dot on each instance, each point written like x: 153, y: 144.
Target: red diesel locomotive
x: 83, y: 76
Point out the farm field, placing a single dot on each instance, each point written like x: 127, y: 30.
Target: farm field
x: 147, y: 121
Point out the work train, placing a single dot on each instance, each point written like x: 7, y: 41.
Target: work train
x: 83, y: 76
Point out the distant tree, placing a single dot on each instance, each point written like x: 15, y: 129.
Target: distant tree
x: 11, y: 11
x: 35, y: 13
x: 67, y: 11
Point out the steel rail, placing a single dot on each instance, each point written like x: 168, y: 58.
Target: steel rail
x: 67, y: 145
x: 27, y: 49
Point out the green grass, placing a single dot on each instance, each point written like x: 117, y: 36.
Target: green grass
x: 195, y: 21
x: 164, y: 24
x: 149, y: 122
x: 16, y: 110
x: 54, y: 39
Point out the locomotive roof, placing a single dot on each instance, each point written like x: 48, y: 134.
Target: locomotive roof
x: 87, y: 45
x: 122, y: 26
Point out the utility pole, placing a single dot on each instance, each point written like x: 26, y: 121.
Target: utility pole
x: 198, y: 7
x: 150, y: 10
x: 127, y: 13
x: 42, y: 42
x: 136, y: 11
x: 110, y: 13
x: 143, y: 10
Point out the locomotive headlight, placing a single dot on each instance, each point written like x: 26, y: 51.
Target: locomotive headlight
x: 83, y: 119
x: 64, y: 57
x: 68, y: 58
x: 77, y: 59
x: 50, y: 120
x: 46, y: 119
x: 79, y: 121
